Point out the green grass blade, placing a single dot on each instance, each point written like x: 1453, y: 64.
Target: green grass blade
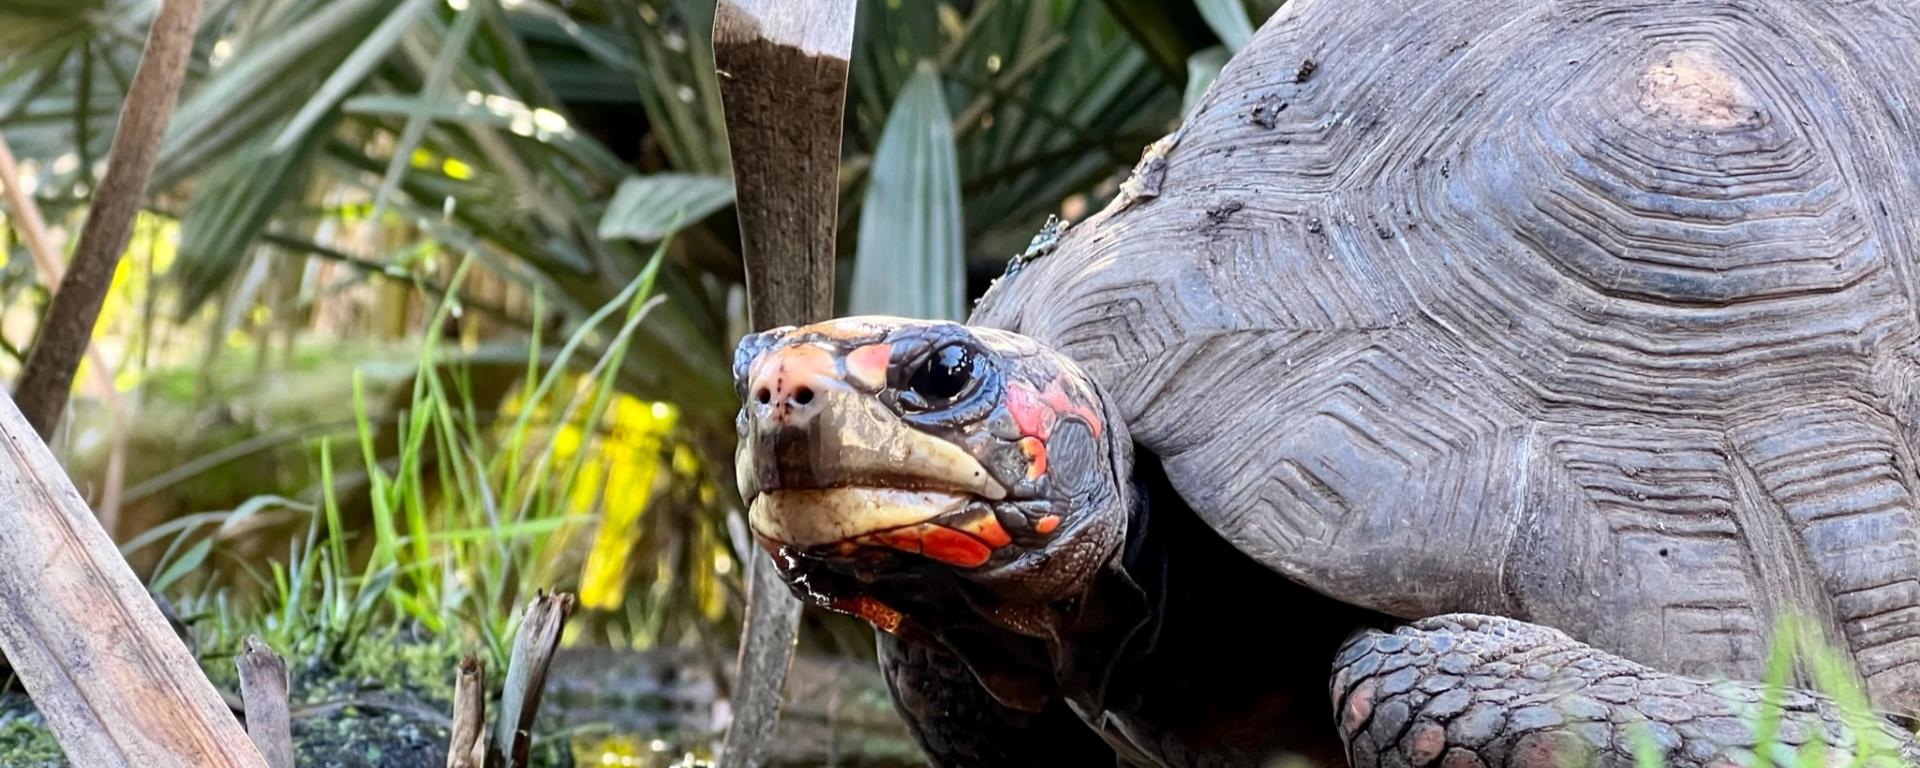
x: 379, y: 483
x: 641, y: 302
x: 1201, y: 71
x: 178, y: 527
x: 508, y: 531
x: 188, y: 562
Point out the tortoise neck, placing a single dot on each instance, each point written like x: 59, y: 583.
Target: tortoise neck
x: 1138, y: 550
x: 1119, y: 616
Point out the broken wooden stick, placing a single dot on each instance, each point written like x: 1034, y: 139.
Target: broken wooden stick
x: 465, y: 749
x: 264, y: 695
x: 783, y: 84
x: 113, y: 681
x: 533, y: 647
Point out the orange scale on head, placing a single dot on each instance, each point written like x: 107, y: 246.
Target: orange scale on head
x: 987, y: 529
x: 1036, y: 452
x: 880, y: 615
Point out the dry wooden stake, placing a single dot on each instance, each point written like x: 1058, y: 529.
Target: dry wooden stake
x: 465, y: 749
x: 783, y: 82
x: 533, y: 647
x: 264, y: 694
x: 109, y: 675
x: 27, y: 219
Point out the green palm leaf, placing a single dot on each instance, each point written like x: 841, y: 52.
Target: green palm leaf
x: 648, y: 208
x: 354, y: 69
x: 1228, y: 18
x: 909, y: 258
x: 278, y: 67
x: 233, y: 205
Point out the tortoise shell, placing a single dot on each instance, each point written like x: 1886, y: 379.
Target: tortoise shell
x: 1597, y: 314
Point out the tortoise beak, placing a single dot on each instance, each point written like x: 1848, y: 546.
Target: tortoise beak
x: 822, y: 462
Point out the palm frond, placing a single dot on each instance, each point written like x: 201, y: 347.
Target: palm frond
x: 909, y: 259
x: 649, y: 208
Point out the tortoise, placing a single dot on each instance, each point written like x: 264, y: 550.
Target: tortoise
x: 1459, y: 383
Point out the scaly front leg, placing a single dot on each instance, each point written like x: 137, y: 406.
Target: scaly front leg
x: 1467, y: 690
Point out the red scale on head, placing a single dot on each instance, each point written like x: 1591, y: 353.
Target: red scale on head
x: 906, y: 540
x: 1031, y: 414
x: 1056, y: 398
x: 953, y: 547
x: 1036, y: 413
x: 964, y: 549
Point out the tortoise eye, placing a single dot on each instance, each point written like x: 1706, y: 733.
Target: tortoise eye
x: 946, y: 374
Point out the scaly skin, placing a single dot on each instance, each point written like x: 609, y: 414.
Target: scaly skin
x: 960, y: 726
x: 1464, y: 691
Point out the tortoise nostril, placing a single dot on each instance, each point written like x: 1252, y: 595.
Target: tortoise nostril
x: 791, y: 384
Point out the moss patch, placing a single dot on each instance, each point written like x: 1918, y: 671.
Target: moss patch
x: 368, y: 736
x: 25, y: 741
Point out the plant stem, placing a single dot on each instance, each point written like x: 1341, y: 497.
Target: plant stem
x: 68, y: 328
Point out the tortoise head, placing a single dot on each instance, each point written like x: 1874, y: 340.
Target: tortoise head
x: 885, y: 458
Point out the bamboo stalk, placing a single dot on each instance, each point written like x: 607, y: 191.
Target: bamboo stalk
x: 42, y: 249
x: 27, y: 218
